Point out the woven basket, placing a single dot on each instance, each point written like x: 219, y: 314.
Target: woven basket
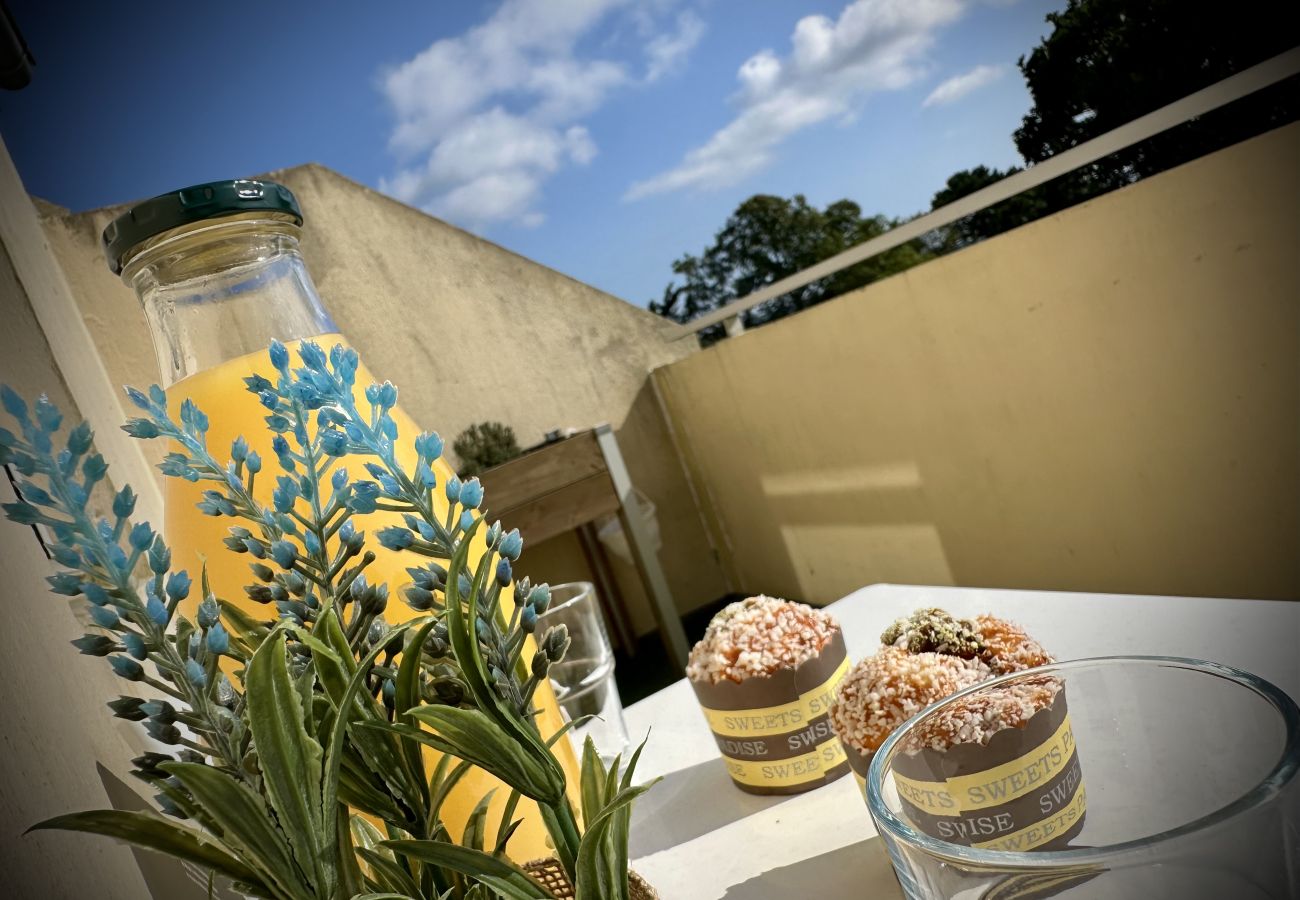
x: 550, y: 875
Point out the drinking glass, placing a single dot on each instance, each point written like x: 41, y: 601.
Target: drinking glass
x: 1188, y: 790
x: 584, y: 681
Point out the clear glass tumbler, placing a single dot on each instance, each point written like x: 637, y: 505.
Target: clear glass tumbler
x: 584, y: 681
x: 1185, y: 787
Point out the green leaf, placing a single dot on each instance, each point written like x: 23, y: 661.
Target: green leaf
x: 476, y: 825
x: 501, y: 875
x: 290, y: 760
x: 243, y: 819
x: 593, y: 782
x: 342, y: 721
x: 506, y: 827
x: 153, y: 832
x: 600, y: 874
x: 442, y: 784
x: 471, y: 735
x: 388, y: 872
x: 406, y: 696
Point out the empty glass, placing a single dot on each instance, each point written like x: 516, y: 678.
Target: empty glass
x: 584, y: 680
x: 1188, y: 790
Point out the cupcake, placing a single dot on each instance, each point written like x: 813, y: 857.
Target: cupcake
x: 995, y: 769
x: 765, y: 674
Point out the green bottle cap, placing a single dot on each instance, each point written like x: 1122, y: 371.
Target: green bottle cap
x: 189, y: 205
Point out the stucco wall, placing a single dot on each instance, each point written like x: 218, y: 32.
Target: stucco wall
x: 468, y: 331
x: 1104, y: 400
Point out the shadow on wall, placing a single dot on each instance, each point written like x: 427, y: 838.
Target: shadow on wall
x: 837, y: 524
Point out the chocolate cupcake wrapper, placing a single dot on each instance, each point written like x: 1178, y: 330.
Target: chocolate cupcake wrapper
x: 1022, y: 791
x: 775, y: 733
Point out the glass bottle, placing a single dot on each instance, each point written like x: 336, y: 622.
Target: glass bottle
x: 218, y: 270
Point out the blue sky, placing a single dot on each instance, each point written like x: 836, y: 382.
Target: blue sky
x: 601, y: 137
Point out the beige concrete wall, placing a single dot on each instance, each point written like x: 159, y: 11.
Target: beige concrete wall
x: 468, y: 331
x: 1105, y: 400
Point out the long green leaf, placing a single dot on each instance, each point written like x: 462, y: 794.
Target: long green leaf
x: 471, y: 735
x: 597, y: 876
x: 379, y: 753
x: 290, y: 761
x: 407, y: 695
x: 153, y: 832
x: 593, y: 782
x: 243, y: 818
x: 342, y: 721
x: 388, y: 872
x: 476, y: 825
x: 499, y: 874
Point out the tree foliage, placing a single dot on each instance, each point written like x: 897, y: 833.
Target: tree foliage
x: 769, y: 238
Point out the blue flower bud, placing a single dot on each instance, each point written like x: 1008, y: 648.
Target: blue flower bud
x: 269, y: 399
x: 135, y: 645
x: 503, y: 572
x: 279, y: 357
x: 178, y: 585
x: 157, y: 611
x: 481, y: 629
x: 141, y: 536
x: 138, y: 397
x: 471, y: 494
x: 66, y: 583
x: 160, y: 711
x: 104, y: 616
x: 428, y: 445
x: 388, y: 395
x: 466, y: 520
x: 313, y: 357
x: 124, y: 503
x: 395, y: 537
x: 424, y: 476
x: 464, y: 584
x: 127, y: 668
x: 218, y: 640
x: 284, y: 553
x: 22, y: 513
x: 339, y: 479
x: 254, y: 462
x: 311, y: 543
x: 239, y: 449
x: 65, y: 556
x: 419, y: 598
x: 94, y: 468
x: 452, y: 489
x: 528, y: 620
x: 209, y: 613
x: 255, y: 547
x: 512, y: 545
x: 333, y: 442
x: 256, y: 384
x: 539, y: 598
x: 94, y: 645
x: 95, y: 593
x: 194, y: 672
x: 160, y: 557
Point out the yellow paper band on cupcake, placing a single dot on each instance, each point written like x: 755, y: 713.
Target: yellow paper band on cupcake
x: 778, y: 719
x: 796, y: 770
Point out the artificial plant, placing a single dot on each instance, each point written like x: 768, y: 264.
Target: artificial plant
x: 277, y: 773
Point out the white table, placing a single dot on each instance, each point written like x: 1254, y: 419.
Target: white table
x: 696, y: 837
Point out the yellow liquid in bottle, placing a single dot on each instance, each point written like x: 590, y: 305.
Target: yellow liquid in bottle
x: 194, y: 538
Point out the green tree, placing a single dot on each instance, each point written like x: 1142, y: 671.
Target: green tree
x: 1013, y: 211
x: 1108, y: 62
x: 769, y: 238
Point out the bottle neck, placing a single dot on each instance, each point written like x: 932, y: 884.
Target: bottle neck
x: 221, y: 289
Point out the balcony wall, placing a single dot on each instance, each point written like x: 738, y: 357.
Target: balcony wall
x: 1105, y: 400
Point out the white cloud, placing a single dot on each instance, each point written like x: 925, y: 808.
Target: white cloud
x: 960, y: 85
x: 483, y: 119
x: 666, y: 52
x: 874, y: 45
